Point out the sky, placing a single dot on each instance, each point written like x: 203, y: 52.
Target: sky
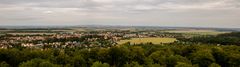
x: 181, y: 13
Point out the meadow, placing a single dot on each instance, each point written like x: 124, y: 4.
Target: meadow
x: 147, y: 40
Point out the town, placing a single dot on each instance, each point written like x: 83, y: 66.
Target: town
x: 75, y: 39
x: 118, y: 47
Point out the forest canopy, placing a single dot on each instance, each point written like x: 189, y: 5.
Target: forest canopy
x: 141, y: 55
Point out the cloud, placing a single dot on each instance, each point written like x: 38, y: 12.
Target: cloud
x: 124, y: 5
x: 135, y: 12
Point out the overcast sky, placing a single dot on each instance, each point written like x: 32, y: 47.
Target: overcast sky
x: 190, y: 13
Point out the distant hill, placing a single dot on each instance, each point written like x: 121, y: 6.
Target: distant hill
x: 113, y: 27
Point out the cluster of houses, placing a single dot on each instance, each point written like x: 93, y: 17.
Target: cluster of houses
x: 39, y: 41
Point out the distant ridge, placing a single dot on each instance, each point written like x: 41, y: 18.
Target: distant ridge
x: 114, y: 26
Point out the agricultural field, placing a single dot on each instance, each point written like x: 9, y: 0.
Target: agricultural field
x: 197, y: 32
x: 78, y: 29
x: 31, y: 33
x: 1, y: 34
x: 147, y: 40
x: 5, y: 30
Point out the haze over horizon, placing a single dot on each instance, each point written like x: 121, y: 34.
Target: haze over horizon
x: 180, y: 13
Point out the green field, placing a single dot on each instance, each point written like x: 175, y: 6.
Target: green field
x: 147, y: 40
x: 197, y: 32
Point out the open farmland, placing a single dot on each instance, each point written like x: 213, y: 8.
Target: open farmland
x: 31, y: 33
x: 197, y: 32
x: 147, y: 40
x: 78, y: 29
x: 1, y: 34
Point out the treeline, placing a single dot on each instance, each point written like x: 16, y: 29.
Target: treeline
x: 142, y: 55
x: 222, y: 39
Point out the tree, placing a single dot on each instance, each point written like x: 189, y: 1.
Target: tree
x: 234, y: 60
x: 160, y: 56
x: 203, y: 58
x: 153, y: 65
x: 181, y: 64
x: 118, y: 56
x: 137, y: 54
x: 133, y: 64
x: 79, y: 61
x: 171, y: 61
x: 47, y: 64
x: 37, y: 63
x: 223, y: 39
x: 214, y: 65
x: 103, y: 55
x: 221, y: 56
x: 62, y: 58
x: 4, y: 64
x: 100, y: 64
